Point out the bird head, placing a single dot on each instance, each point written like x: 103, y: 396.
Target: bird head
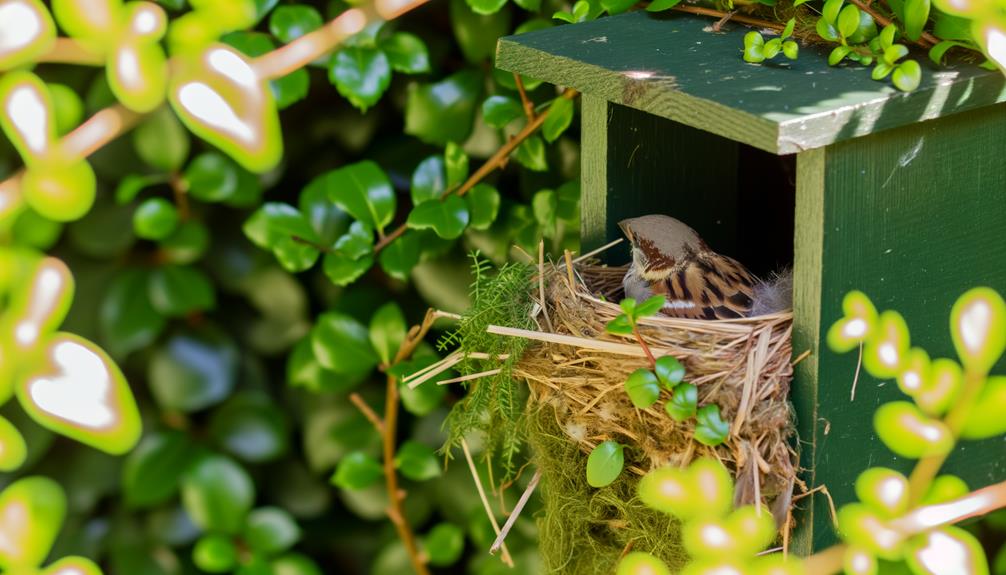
x: 658, y: 243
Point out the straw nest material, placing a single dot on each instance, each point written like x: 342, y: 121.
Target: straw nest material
x: 744, y: 366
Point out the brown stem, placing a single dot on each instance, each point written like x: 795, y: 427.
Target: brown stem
x: 974, y: 504
x: 395, y: 510
x: 699, y: 10
x: 69, y: 51
x: 180, y: 191
x: 927, y: 40
x: 367, y: 412
x: 524, y: 100
x: 646, y: 348
x: 490, y: 165
x: 927, y: 467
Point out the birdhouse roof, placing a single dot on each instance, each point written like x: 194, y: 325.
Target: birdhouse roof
x: 674, y: 66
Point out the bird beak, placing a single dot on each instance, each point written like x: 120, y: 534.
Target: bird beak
x: 624, y: 225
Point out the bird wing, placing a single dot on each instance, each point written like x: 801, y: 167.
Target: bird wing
x: 708, y: 286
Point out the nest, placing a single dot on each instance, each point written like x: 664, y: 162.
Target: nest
x: 576, y: 377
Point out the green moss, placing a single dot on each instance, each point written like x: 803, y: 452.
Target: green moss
x: 584, y: 530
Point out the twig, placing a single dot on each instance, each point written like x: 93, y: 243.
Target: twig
x: 180, y: 191
x: 584, y: 342
x: 646, y: 348
x: 470, y: 377
x: 719, y: 23
x: 736, y: 17
x: 490, y: 165
x: 541, y: 284
x: 855, y: 378
x: 593, y: 253
x: 524, y: 100
x: 442, y: 367
x: 926, y: 40
x: 516, y: 512
x: 389, y: 437
x: 800, y: 357
x: 367, y: 412
x: 485, y: 501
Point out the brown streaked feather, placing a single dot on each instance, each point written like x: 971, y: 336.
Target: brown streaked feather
x: 717, y: 287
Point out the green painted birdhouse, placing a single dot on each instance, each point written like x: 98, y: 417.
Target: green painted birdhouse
x: 854, y: 184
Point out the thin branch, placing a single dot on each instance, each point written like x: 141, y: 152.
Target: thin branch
x: 367, y: 412
x: 516, y: 512
x: 180, y: 191
x: 524, y: 100
x: 646, y: 348
x: 736, y: 17
x: 485, y: 501
x: 497, y: 160
x: 926, y: 40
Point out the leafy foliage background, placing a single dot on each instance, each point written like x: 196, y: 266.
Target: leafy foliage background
x: 213, y: 332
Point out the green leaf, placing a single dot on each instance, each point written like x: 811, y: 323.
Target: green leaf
x: 986, y: 417
x: 289, y: 22
x: 343, y: 270
x: 486, y: 7
x: 830, y: 11
x: 291, y: 88
x: 628, y: 306
x: 342, y: 344
x: 427, y: 397
x: 617, y: 6
x: 218, y: 494
x: 406, y: 53
x: 303, y: 370
x: 417, y: 461
x: 387, y: 331
x: 886, y: 37
x: 271, y: 530
x: 327, y: 220
x: 643, y: 388
x: 881, y: 70
x: 400, y: 256
x: 444, y: 111
x: 848, y: 21
x: 545, y: 205
x: 456, y: 161
x: 669, y: 371
x: 429, y: 180
x: 498, y: 111
x: 604, y: 464
x: 483, y: 206
x: 360, y: 74
x: 127, y: 319
x: 212, y: 177
x: 130, y: 186
x: 448, y: 218
x: 838, y: 54
x: 788, y: 30
x: 772, y: 48
x: 908, y: 432
x: 357, y: 242
x: 187, y: 244
x: 153, y: 471
x: 215, y: 554
x: 621, y: 325
x: 895, y: 53
x: 916, y: 16
x: 444, y: 544
x: 640, y: 562
x: 937, y: 52
x: 710, y: 429
x: 357, y: 470
x: 907, y: 76
x: 251, y: 427
x: 179, y: 290
x: 683, y: 403
x: 560, y: 116
x: 364, y: 191
x: 649, y: 307
x: 193, y: 370
x: 295, y: 564
x: 791, y: 49
x: 661, y: 5
x: 33, y: 508
x: 826, y: 30
x: 161, y: 141
x: 155, y: 219
x: 531, y: 154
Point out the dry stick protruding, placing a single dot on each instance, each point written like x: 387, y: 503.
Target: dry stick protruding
x: 485, y: 500
x: 524, y: 100
x: 516, y: 512
x: 495, y: 161
x: 367, y: 412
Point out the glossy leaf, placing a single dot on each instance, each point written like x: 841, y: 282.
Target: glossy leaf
x: 417, y: 461
x: 429, y: 180
x: 364, y: 191
x: 483, y: 206
x: 909, y: 433
x: 387, y: 331
x: 604, y: 464
x: 683, y: 403
x: 498, y: 111
x: 342, y: 344
x: 710, y: 429
x: 153, y: 471
x: 360, y: 74
x: 560, y: 116
x: 271, y: 530
x: 289, y: 22
x: 531, y: 154
x: 406, y: 53
x: 444, y: 544
x: 215, y: 554
x: 669, y: 371
x: 443, y: 112
x: 193, y: 370
x: 978, y: 327
x: 251, y: 427
x: 178, y: 290
x: 155, y: 219
x: 400, y: 256
x: 448, y: 218
x: 907, y: 76
x: 357, y: 470
x: 218, y: 494
x: 643, y: 388
x: 916, y: 16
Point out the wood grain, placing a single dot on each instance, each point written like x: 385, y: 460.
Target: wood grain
x: 675, y: 67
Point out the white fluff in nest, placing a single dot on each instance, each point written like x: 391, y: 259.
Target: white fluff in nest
x: 576, y: 431
x: 773, y: 295
x: 604, y: 411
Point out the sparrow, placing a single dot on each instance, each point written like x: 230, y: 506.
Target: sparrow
x: 670, y: 259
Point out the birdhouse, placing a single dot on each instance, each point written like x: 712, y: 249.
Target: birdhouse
x: 853, y: 183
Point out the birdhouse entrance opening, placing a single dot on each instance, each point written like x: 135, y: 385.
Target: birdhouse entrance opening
x: 740, y: 199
